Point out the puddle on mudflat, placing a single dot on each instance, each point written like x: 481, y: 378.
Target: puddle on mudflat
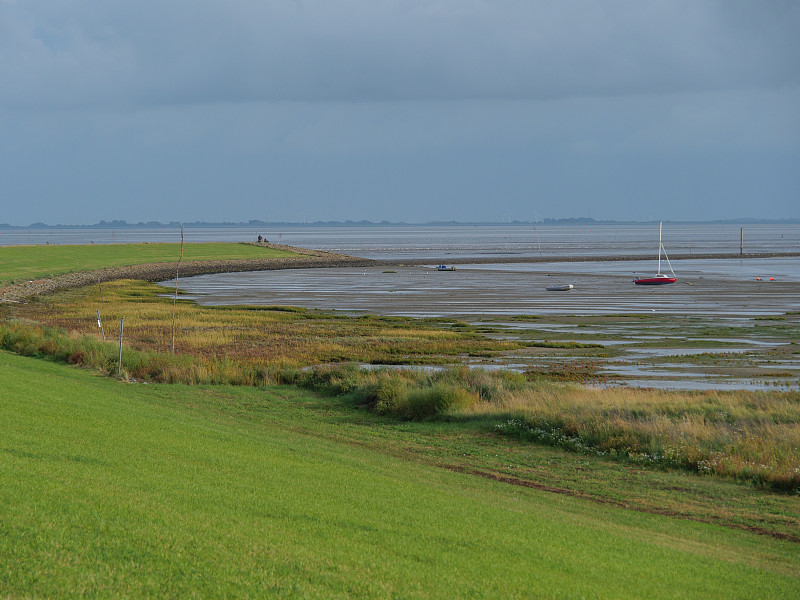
x: 747, y: 341
x: 665, y: 352
x: 699, y: 385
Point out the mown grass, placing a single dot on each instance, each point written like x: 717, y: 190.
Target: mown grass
x: 110, y: 489
x: 34, y: 262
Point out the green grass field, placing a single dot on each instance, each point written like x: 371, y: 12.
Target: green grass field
x: 109, y: 489
x: 115, y: 489
x: 34, y: 262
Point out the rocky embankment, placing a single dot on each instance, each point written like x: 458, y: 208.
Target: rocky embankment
x: 165, y: 271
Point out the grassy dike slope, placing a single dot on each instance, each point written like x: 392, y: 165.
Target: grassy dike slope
x: 27, y: 271
x: 110, y: 489
x: 31, y: 262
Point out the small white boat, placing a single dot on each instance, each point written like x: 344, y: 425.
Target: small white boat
x: 559, y: 288
x: 444, y: 267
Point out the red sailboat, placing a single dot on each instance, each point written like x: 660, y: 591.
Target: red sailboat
x: 659, y: 278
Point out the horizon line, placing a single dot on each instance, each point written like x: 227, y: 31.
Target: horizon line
x: 120, y: 223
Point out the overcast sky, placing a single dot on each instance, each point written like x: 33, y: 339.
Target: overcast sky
x: 413, y: 110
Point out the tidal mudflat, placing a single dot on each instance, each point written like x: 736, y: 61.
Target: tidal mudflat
x: 726, y: 324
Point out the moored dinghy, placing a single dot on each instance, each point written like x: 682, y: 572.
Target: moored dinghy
x: 559, y: 288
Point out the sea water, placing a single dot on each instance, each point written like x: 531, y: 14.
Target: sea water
x: 449, y: 242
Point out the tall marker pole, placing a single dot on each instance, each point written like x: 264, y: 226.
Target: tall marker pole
x: 175, y: 298
x: 119, y: 368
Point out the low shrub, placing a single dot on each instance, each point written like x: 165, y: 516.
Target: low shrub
x: 383, y: 391
x: 428, y: 402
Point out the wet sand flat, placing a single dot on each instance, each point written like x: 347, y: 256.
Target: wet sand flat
x: 496, y: 290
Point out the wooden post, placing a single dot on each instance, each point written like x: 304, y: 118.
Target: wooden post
x: 119, y: 368
x: 741, y: 241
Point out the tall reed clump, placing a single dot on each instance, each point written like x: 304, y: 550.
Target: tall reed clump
x: 54, y: 343
x: 749, y: 436
x: 416, y: 394
x: 144, y: 365
x: 407, y: 393
x: 163, y: 367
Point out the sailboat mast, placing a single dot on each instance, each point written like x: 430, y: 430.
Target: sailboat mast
x: 660, y: 223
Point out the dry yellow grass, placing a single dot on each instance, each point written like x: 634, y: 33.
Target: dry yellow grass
x: 750, y: 435
x: 256, y: 335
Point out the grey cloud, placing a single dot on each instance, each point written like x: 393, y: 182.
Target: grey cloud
x: 398, y: 109
x: 181, y: 52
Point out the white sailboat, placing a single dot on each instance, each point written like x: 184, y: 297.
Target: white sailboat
x: 659, y: 278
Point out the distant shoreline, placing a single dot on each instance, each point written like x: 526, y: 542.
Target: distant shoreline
x: 254, y: 224
x: 587, y: 258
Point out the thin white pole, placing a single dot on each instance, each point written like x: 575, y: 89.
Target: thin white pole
x: 175, y: 298
x: 659, y: 247
x: 119, y: 368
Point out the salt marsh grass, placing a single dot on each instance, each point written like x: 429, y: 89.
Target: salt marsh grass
x: 253, y: 335
x: 751, y: 436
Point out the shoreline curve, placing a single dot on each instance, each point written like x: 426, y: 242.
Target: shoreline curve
x: 308, y: 259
